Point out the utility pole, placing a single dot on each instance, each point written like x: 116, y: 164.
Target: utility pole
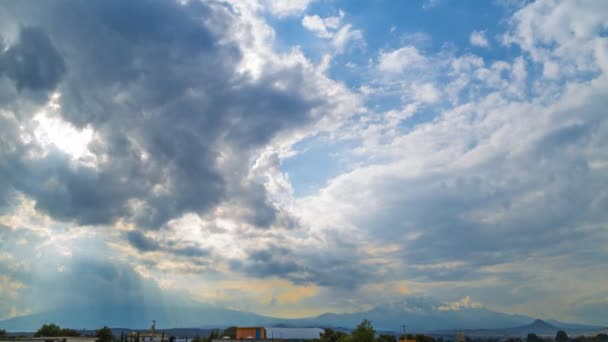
x: 404, y: 326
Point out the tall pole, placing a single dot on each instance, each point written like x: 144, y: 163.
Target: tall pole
x: 404, y: 337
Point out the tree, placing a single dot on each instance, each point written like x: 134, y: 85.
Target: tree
x: 104, y: 335
x: 364, y: 332
x: 2, y: 332
x: 197, y: 338
x: 215, y: 334
x: 230, y: 332
x: 599, y: 337
x: 331, y: 335
x: 386, y: 338
x: 345, y: 338
x: 69, y: 332
x: 424, y: 338
x: 48, y: 330
x: 532, y: 337
x: 561, y: 336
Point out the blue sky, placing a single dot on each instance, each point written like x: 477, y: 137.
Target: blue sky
x: 299, y: 157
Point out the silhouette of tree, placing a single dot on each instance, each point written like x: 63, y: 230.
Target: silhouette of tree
x: 364, y: 332
x: 230, y: 332
x: 561, y: 336
x: 70, y: 332
x: 331, y: 335
x: 48, y: 330
x: 532, y: 337
x: 104, y: 335
x: 386, y: 338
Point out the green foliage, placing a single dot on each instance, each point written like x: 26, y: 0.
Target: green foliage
x: 345, y: 338
x: 230, y: 332
x: 386, y: 338
x: 2, y: 332
x: 104, y: 335
x: 601, y: 337
x: 561, y: 336
x: 424, y: 338
x: 69, y: 332
x: 215, y: 334
x: 48, y: 330
x: 364, y: 332
x: 331, y: 335
x: 533, y: 338
x: 197, y: 339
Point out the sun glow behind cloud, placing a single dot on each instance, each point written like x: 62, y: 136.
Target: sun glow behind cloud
x: 52, y: 131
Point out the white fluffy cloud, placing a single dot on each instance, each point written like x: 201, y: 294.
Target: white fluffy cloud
x: 286, y: 8
x: 401, y: 59
x: 323, y: 27
x: 478, y: 38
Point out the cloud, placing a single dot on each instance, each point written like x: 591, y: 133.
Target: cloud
x: 397, y: 61
x: 141, y: 242
x: 461, y: 173
x: 478, y: 38
x: 33, y: 63
x: 165, y: 104
x: 463, y: 303
x: 288, y: 7
x: 331, y: 28
x: 322, y: 27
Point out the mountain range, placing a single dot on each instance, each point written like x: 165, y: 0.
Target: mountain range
x: 419, y: 314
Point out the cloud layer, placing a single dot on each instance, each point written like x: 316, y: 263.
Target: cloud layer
x: 463, y: 172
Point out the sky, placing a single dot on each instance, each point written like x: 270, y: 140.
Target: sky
x: 297, y: 157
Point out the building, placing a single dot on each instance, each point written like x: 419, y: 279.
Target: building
x: 250, y: 333
x: 259, y: 334
x: 294, y: 334
x: 460, y: 337
x: 56, y: 339
x: 146, y: 336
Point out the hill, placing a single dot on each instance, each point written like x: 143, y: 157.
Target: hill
x: 420, y: 314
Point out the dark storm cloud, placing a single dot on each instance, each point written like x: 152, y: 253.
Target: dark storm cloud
x: 338, y: 269
x: 33, y: 62
x: 161, y: 93
x: 144, y: 243
x: 138, y: 240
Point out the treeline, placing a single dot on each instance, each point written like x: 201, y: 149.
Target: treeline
x: 365, y: 332
x: 53, y: 330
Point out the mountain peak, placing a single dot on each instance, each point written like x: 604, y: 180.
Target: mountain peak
x: 540, y: 324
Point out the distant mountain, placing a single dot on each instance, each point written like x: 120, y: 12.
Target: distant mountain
x: 139, y: 318
x: 538, y: 327
x: 574, y: 326
x: 420, y: 314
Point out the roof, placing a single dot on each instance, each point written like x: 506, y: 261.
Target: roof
x: 294, y: 333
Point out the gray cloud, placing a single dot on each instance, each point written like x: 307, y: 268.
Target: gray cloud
x: 164, y: 88
x: 138, y: 240
x: 33, y: 62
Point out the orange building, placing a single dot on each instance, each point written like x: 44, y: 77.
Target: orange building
x: 256, y: 333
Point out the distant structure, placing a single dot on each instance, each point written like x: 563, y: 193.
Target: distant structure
x: 251, y: 333
x: 260, y: 334
x: 146, y: 336
x: 460, y: 337
x: 58, y: 339
x: 294, y: 334
x: 404, y: 339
